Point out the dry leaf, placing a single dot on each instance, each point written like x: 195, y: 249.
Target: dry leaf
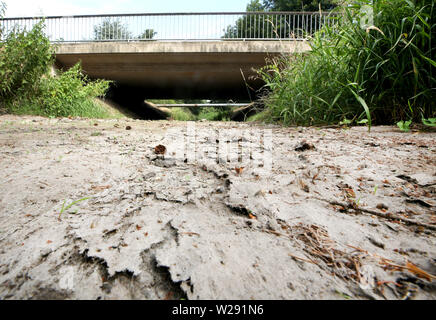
x: 138, y: 227
x: 169, y: 295
x: 239, y: 170
x: 350, y: 193
x: 160, y: 149
x: 49, y: 241
x: 252, y: 216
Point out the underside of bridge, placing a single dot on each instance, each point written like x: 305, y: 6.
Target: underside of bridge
x: 214, y: 70
x: 185, y: 70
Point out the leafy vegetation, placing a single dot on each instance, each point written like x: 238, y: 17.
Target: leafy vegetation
x: 269, y: 26
x: 382, y: 72
x: 68, y: 94
x: 299, y: 5
x: 404, y: 125
x: 28, y: 85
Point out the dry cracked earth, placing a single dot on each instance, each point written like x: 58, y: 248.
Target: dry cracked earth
x: 221, y: 211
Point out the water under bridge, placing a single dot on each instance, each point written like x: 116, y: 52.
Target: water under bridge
x: 178, y: 55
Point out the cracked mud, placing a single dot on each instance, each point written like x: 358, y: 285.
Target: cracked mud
x: 344, y: 216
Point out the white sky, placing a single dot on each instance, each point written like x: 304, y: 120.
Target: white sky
x: 26, y: 8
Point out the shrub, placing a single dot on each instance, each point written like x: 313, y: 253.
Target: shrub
x: 70, y: 94
x: 27, y: 87
x: 25, y: 56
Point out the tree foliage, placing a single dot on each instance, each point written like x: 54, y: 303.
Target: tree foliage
x: 111, y: 29
x: 114, y: 29
x: 28, y: 87
x: 298, y: 5
x: 147, y: 34
x: 266, y: 26
x: 25, y: 56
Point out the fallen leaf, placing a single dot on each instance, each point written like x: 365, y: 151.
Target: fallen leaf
x: 160, y: 149
x: 49, y: 241
x: 350, y: 193
x: 252, y: 216
x: 138, y: 227
x: 169, y: 295
x: 239, y: 170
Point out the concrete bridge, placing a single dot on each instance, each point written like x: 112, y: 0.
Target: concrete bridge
x: 188, y: 69
x: 180, y: 55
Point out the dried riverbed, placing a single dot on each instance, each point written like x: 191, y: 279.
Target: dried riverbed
x: 228, y: 211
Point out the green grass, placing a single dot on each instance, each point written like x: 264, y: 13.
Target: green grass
x: 65, y: 208
x: 27, y: 87
x: 84, y: 109
x: 182, y: 114
x: 207, y: 113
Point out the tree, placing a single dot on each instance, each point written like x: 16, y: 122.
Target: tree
x: 147, y: 34
x: 2, y: 13
x: 112, y: 30
x: 115, y: 30
x: 299, y: 5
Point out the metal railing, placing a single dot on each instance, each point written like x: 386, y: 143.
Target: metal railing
x: 176, y: 26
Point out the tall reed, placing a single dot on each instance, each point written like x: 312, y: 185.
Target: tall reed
x: 383, y: 71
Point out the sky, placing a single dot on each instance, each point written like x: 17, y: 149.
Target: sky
x: 28, y: 8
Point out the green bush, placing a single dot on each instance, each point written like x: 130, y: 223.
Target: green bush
x: 70, y: 94
x: 25, y: 56
x: 383, y: 72
x: 27, y: 87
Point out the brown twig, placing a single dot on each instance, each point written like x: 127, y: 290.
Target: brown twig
x: 379, y: 214
x: 302, y: 259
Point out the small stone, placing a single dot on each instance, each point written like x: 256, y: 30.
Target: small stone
x: 128, y: 128
x: 303, y: 146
